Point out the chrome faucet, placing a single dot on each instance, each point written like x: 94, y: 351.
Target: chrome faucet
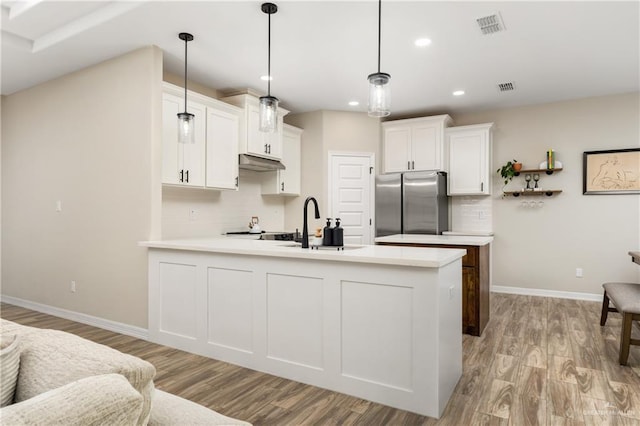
x: 305, y: 231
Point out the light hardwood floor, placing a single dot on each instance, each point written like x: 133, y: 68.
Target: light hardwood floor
x: 540, y: 361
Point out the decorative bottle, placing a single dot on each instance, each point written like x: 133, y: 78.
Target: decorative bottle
x: 338, y: 234
x: 327, y: 234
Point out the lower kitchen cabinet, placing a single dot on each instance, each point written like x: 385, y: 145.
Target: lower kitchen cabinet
x: 475, y: 285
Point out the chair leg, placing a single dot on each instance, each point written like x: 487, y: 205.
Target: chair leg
x: 625, y: 337
x: 605, y: 309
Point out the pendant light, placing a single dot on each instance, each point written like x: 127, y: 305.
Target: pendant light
x: 379, y: 92
x: 186, y: 122
x: 269, y: 104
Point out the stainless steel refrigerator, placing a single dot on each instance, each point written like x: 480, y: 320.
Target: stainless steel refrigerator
x: 412, y: 203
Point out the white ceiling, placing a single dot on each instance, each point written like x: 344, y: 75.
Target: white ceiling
x: 322, y: 51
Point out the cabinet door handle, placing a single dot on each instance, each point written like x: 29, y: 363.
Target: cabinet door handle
x: 236, y: 181
x: 282, y: 186
x: 181, y: 175
x: 408, y: 165
x: 413, y: 165
x: 481, y: 186
x: 187, y: 176
x: 269, y: 148
x: 265, y: 149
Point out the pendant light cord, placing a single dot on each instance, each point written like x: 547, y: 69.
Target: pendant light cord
x: 185, y: 74
x: 379, y: 31
x: 269, y: 59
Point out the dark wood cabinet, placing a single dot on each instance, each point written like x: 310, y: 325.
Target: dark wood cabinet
x: 475, y: 285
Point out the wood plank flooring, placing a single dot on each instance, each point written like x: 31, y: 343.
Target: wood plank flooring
x: 540, y: 361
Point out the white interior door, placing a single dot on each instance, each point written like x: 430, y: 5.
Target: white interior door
x: 351, y: 180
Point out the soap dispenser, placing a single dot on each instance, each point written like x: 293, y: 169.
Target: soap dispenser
x: 338, y: 234
x: 327, y: 239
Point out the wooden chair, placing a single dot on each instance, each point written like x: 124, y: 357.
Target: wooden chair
x: 625, y: 298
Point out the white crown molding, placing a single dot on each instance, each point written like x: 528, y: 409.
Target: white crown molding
x: 116, y: 327
x: 21, y: 7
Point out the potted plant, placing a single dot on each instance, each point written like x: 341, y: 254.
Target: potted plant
x: 509, y: 170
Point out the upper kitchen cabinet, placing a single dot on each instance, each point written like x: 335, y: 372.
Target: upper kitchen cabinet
x: 287, y: 181
x: 469, y: 159
x: 223, y: 134
x: 252, y: 140
x: 212, y: 161
x: 182, y: 164
x: 414, y: 144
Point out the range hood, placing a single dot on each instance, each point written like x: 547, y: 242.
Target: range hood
x: 258, y: 164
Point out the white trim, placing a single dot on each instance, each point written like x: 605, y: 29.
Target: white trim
x: 547, y: 293
x: 116, y: 327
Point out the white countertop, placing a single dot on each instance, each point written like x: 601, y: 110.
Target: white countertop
x: 388, y: 255
x: 461, y: 240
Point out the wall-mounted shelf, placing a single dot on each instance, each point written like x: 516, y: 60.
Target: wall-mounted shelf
x: 547, y: 192
x: 547, y: 171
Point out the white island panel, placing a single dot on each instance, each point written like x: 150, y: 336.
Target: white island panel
x: 295, y: 319
x: 178, y: 299
x: 377, y: 327
x: 230, y: 295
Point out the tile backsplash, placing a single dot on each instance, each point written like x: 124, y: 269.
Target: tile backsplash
x: 194, y: 212
x: 471, y: 214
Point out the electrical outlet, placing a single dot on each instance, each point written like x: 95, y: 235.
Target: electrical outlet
x: 72, y: 288
x: 578, y: 272
x: 451, y: 289
x: 193, y: 214
x: 58, y: 206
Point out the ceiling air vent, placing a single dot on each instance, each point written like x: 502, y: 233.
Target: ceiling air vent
x: 506, y: 87
x: 490, y: 24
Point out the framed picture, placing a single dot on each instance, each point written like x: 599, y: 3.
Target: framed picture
x: 614, y: 171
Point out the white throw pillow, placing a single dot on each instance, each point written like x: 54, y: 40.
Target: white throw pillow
x: 9, y: 366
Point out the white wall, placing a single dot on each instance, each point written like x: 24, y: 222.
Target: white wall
x: 541, y: 248
x: 90, y: 140
x: 220, y: 211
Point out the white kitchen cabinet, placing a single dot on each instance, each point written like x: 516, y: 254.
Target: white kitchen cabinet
x: 414, y: 144
x: 182, y: 164
x: 223, y: 128
x: 469, y: 159
x: 286, y: 182
x: 212, y: 162
x: 252, y: 140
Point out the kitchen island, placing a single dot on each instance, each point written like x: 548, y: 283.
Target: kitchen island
x: 476, y: 271
x: 380, y: 323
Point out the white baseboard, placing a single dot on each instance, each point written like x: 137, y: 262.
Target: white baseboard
x: 117, y: 327
x: 547, y: 293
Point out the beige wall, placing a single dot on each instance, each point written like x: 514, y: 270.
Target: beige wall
x: 326, y: 131
x: 88, y: 139
x: 541, y: 248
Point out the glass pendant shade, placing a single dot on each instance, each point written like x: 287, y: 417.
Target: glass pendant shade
x: 186, y: 128
x: 268, y: 114
x: 379, y: 95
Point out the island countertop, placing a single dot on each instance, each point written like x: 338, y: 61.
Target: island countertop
x: 459, y: 240
x: 378, y: 254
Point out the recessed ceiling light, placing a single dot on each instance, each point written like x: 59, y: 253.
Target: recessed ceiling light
x: 266, y: 78
x: 458, y: 93
x: 354, y: 103
x: 422, y: 42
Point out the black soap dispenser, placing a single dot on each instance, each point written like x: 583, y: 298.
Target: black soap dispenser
x: 338, y: 234
x: 327, y: 234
